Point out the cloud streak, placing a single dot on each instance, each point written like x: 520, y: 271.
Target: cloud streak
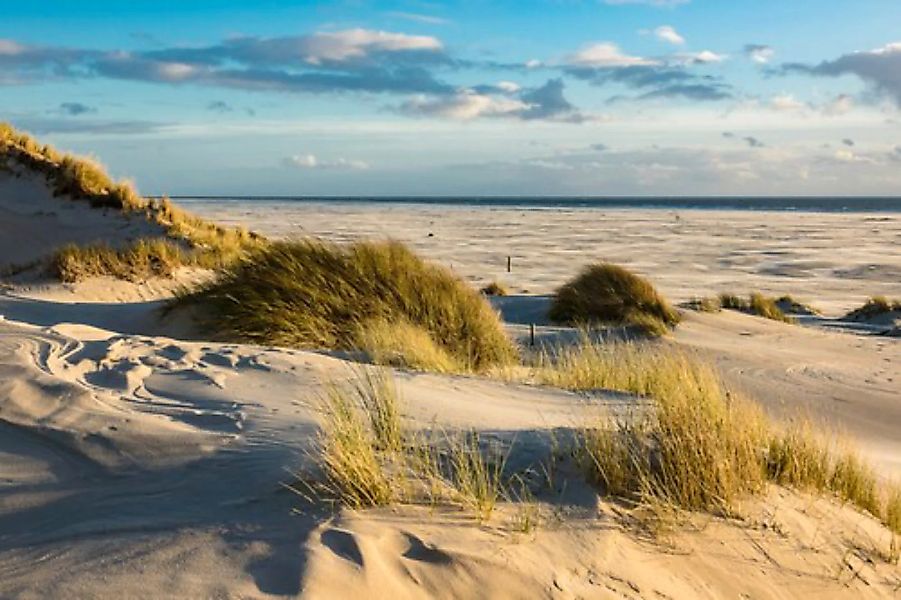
x: 880, y: 69
x: 313, y: 162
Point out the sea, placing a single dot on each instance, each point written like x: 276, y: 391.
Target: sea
x: 873, y: 204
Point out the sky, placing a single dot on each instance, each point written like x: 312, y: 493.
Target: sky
x: 413, y: 97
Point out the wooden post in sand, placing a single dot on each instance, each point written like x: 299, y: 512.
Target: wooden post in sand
x: 509, y: 264
x: 532, y: 335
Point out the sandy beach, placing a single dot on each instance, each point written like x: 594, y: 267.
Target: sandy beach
x: 138, y: 454
x: 832, y: 260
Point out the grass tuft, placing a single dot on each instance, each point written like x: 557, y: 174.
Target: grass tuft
x: 872, y: 308
x: 350, y: 447
x: 607, y: 293
x: 184, y: 239
x: 706, y: 304
x: 313, y: 294
x: 693, y: 447
x: 494, y: 289
x: 692, y: 444
x: 756, y: 304
x: 404, y: 346
x: 369, y: 459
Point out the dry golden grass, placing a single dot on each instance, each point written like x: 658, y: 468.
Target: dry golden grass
x: 369, y: 459
x: 788, y: 304
x: 604, y: 293
x: 755, y: 304
x: 797, y: 456
x: 696, y: 446
x: 156, y: 257
x: 185, y: 240
x: 405, y: 346
x: 893, y: 510
x: 637, y: 368
x: 351, y: 453
x: 693, y: 447
x: 706, y: 304
x: 313, y: 294
x: 494, y: 289
x: 874, y: 307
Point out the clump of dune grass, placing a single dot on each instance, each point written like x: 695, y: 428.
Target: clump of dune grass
x: 756, y: 304
x: 494, y: 289
x: 184, y: 239
x: 368, y: 458
x: 477, y: 475
x: 319, y: 295
x: 350, y: 450
x: 873, y: 307
x: 604, y: 293
x: 693, y: 445
x: 403, y: 345
x: 708, y: 304
x: 155, y: 257
x: 788, y: 304
x: 631, y: 367
x: 766, y: 307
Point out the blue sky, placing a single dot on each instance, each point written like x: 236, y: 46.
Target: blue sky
x: 593, y: 97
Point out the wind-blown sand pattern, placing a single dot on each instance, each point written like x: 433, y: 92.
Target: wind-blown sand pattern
x: 137, y: 460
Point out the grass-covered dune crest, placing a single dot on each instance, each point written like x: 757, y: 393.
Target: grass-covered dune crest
x: 180, y: 238
x: 318, y: 295
x: 608, y: 293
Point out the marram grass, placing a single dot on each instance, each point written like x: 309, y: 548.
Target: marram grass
x: 604, y: 293
x: 697, y: 446
x: 756, y: 304
x: 317, y: 295
x: 367, y: 457
x: 185, y: 239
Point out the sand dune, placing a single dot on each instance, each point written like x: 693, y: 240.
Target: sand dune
x: 33, y: 222
x: 137, y: 460
x: 133, y: 463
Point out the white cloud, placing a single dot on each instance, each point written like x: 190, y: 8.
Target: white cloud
x: 340, y: 46
x: 845, y: 155
x: 175, y: 71
x: 311, y: 161
x: 509, y: 87
x: 533, y: 63
x: 668, y: 34
x: 786, y: 103
x: 605, y: 54
x: 703, y: 57
x: 465, y: 105
x: 892, y: 48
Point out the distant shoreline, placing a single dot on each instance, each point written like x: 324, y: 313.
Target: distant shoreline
x: 868, y: 204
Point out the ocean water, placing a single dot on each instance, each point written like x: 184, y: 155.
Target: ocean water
x: 880, y: 204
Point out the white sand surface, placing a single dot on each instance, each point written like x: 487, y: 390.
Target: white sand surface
x: 137, y: 466
x: 137, y: 461
x: 33, y: 222
x: 832, y: 260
